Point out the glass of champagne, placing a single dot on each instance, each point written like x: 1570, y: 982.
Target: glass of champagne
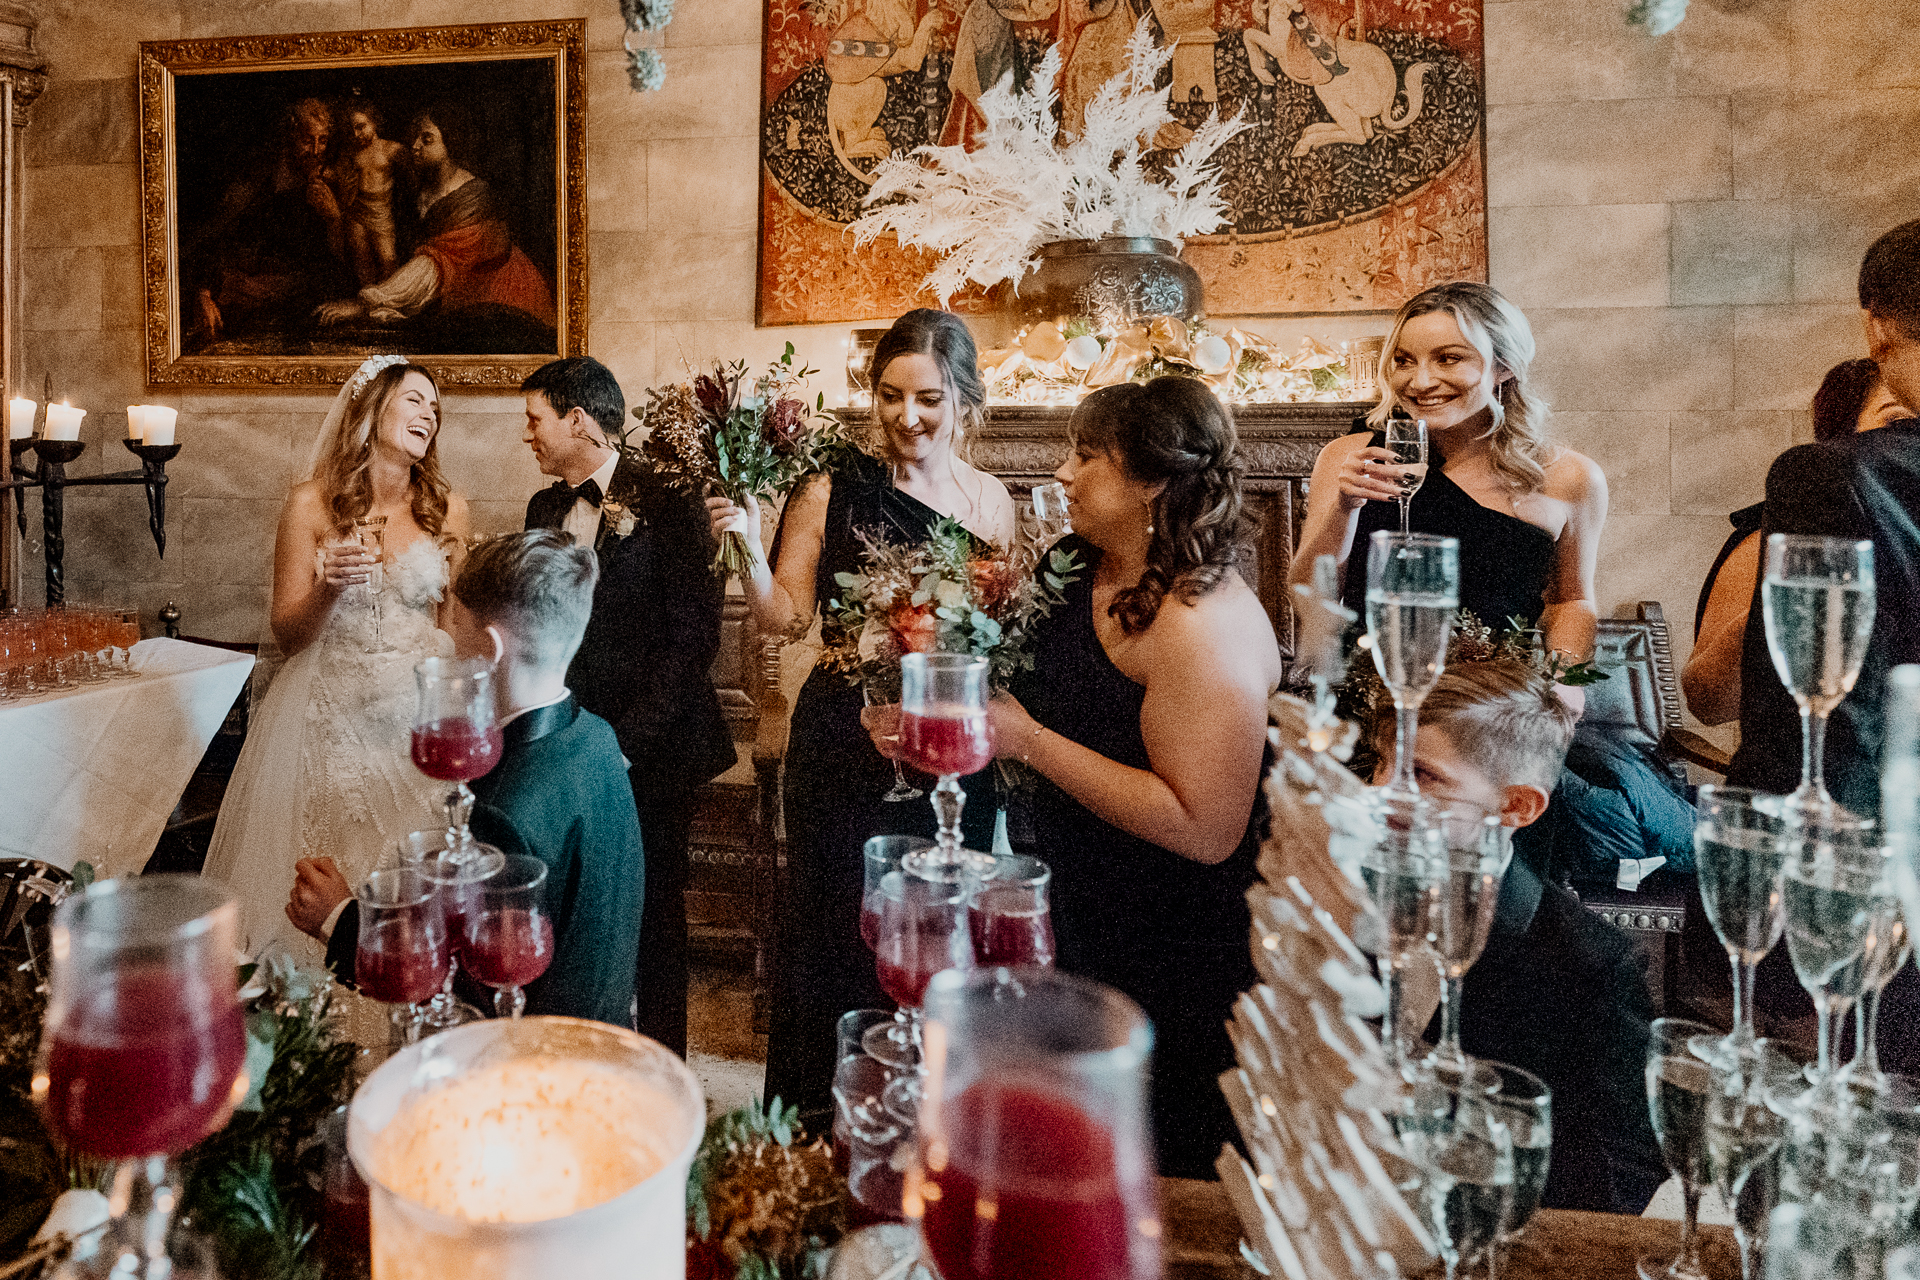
x: 144, y: 1046
x: 1817, y: 600
x: 1413, y: 591
x: 923, y: 931
x: 944, y: 732
x: 1839, y: 907
x: 1523, y: 1103
x: 879, y: 686
x: 1403, y: 873
x: 1893, y: 945
x: 1011, y: 920
x: 1740, y: 862
x: 1451, y: 1129
x: 1743, y: 1134
x: 1463, y: 913
x: 1407, y: 442
x: 1035, y: 1157
x: 509, y: 942
x: 1678, y: 1084
x: 371, y: 533
x: 455, y: 736
x: 1050, y: 519
x: 403, y: 955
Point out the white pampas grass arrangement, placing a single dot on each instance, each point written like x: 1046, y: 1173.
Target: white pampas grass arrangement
x: 986, y: 212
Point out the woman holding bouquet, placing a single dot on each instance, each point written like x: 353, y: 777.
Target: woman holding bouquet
x: 927, y: 396
x: 1145, y: 715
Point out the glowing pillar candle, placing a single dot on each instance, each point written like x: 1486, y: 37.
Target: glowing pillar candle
x: 63, y: 422
x: 528, y: 1150
x: 20, y: 413
x: 159, y: 423
x: 136, y: 421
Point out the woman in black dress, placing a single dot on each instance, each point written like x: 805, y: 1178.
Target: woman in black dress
x: 1527, y: 512
x: 927, y: 395
x: 1145, y: 715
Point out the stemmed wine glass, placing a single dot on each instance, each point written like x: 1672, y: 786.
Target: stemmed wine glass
x: 1463, y: 914
x: 1413, y: 591
x: 371, y: 533
x: 1864, y: 1072
x: 1743, y: 1133
x: 455, y: 737
x: 1011, y: 920
x: 1817, y: 600
x: 509, y: 942
x: 923, y: 930
x: 880, y: 685
x: 1839, y: 909
x: 1737, y: 851
x: 1051, y: 522
x: 1678, y: 1084
x: 1451, y: 1129
x: 944, y: 731
x: 1407, y: 442
x: 144, y: 1046
x: 1403, y: 873
x: 1035, y: 1157
x: 1523, y: 1103
x: 403, y: 955
x: 457, y: 877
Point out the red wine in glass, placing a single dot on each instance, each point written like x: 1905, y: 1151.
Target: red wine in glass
x: 456, y: 750
x: 905, y: 978
x: 143, y: 1064
x: 870, y: 919
x: 946, y: 741
x: 1009, y: 927
x: 1051, y: 1175
x: 509, y: 947
x: 400, y: 961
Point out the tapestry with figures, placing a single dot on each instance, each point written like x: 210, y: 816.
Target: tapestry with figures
x: 1362, y: 181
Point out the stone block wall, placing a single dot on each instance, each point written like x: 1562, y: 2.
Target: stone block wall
x: 1680, y: 218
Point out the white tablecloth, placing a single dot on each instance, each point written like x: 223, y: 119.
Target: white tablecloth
x: 93, y: 773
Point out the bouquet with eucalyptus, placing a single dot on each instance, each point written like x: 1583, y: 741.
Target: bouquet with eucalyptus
x: 727, y: 434
x: 949, y: 594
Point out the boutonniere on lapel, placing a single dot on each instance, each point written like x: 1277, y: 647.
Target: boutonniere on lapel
x: 615, y: 519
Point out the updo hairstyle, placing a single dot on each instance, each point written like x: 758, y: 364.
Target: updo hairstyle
x: 942, y: 335
x: 1172, y: 429
x: 344, y: 472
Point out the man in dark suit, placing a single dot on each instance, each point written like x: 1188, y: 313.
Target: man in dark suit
x: 1557, y: 991
x: 644, y: 663
x: 1861, y: 486
x: 559, y: 793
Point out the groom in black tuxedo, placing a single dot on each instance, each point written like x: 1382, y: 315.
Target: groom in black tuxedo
x: 655, y: 630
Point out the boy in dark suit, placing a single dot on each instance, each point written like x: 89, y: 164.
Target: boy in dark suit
x: 643, y: 664
x: 559, y: 793
x: 1558, y: 991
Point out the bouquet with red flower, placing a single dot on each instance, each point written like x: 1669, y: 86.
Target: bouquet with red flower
x: 723, y: 433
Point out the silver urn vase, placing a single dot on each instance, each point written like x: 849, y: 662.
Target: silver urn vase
x: 1110, y: 282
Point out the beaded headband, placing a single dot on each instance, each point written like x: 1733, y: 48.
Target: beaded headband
x: 368, y: 367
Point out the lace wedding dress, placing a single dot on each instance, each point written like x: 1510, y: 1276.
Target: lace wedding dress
x: 326, y: 769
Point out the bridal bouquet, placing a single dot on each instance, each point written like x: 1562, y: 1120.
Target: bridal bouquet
x: 723, y: 433
x: 949, y: 594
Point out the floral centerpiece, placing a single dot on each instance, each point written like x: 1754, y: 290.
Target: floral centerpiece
x: 987, y: 211
x: 724, y: 434
x: 763, y: 1203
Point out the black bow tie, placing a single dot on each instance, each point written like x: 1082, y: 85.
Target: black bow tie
x: 587, y: 491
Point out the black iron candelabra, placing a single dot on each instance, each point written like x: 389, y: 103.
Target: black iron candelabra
x: 49, y: 475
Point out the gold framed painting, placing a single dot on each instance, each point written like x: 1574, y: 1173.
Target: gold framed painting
x: 309, y: 200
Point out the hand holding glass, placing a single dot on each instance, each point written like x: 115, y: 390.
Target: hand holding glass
x: 1407, y: 442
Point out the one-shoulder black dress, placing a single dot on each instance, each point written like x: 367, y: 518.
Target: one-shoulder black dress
x: 834, y: 781
x: 1172, y: 933
x: 1504, y: 561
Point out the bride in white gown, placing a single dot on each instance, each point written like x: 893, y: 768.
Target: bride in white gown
x: 326, y: 769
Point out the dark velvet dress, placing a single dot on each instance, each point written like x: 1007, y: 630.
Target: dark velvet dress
x: 1504, y: 561
x: 834, y: 781
x: 1172, y: 933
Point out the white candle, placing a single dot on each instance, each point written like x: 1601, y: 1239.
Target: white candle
x: 63, y: 422
x: 20, y: 413
x: 160, y: 423
x: 136, y: 421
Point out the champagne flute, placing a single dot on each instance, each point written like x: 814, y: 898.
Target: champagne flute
x: 455, y: 737
x: 1839, y: 910
x: 1051, y: 520
x: 1402, y: 872
x: 1463, y: 1148
x: 1407, y: 442
x: 1522, y: 1102
x: 1817, y: 600
x: 1035, y: 1157
x: 403, y: 955
x: 1678, y: 1085
x: 1743, y: 1133
x: 879, y: 686
x: 1467, y: 897
x: 371, y: 533
x: 1413, y: 591
x: 1884, y: 961
x: 944, y: 732
x: 1010, y: 917
x: 510, y: 942
x: 144, y: 1047
x: 1740, y: 861
x: 923, y: 931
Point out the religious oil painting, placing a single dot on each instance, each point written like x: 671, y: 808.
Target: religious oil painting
x: 1361, y: 181
x: 309, y: 200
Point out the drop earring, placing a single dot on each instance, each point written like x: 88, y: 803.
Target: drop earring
x: 1148, y: 503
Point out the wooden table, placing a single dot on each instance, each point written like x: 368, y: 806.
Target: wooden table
x: 1203, y: 1241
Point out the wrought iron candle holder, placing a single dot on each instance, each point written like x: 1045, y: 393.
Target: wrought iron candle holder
x: 49, y: 475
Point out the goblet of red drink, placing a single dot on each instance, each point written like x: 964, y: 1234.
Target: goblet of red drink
x: 944, y: 731
x: 455, y: 736
x: 923, y: 930
x: 509, y: 941
x: 456, y: 876
x: 1012, y: 922
x: 882, y: 854
x: 144, y: 1047
x: 1035, y: 1156
x: 403, y: 956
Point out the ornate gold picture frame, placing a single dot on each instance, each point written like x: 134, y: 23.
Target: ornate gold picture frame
x: 308, y: 200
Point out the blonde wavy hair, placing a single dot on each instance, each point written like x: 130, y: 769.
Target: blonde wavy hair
x: 1501, y: 334
x: 344, y: 472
